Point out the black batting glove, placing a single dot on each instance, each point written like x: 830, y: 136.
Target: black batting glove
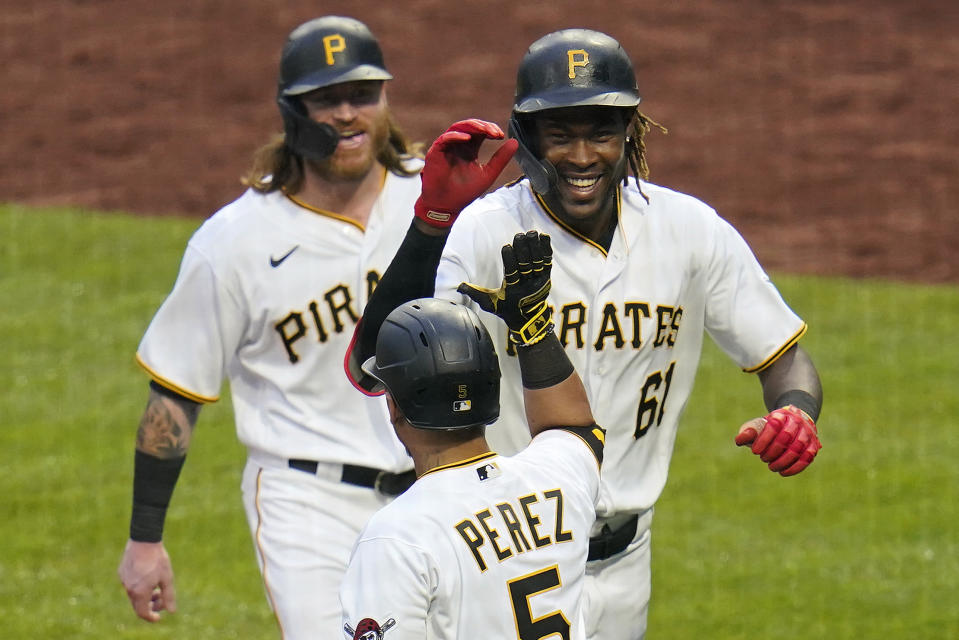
x: 521, y: 299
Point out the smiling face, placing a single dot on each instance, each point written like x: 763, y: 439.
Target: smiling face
x: 359, y: 113
x: 587, y: 147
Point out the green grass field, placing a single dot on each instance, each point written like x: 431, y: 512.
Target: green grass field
x: 862, y: 545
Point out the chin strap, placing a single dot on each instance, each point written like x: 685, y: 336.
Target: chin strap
x: 310, y: 139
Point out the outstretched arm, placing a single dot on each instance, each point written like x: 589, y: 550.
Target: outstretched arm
x: 557, y: 397
x: 452, y: 178
x: 787, y: 438
x: 162, y: 442
x: 552, y: 390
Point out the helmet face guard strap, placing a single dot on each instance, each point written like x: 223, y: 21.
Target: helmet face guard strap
x: 541, y: 172
x: 311, y: 139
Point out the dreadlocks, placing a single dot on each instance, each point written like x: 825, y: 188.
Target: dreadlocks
x: 636, y: 131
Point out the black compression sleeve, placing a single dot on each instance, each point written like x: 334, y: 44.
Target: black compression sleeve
x: 153, y: 483
x: 544, y: 363
x: 411, y: 275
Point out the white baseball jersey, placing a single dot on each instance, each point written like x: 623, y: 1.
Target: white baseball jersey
x: 632, y: 319
x: 268, y: 295
x: 491, y: 547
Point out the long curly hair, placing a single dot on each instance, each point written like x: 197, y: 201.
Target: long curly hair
x: 636, y: 130
x: 276, y: 166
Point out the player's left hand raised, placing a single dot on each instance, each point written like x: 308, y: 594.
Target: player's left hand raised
x: 786, y: 439
x: 521, y: 300
x: 453, y: 177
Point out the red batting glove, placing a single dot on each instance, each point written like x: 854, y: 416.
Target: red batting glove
x: 786, y: 439
x: 452, y: 178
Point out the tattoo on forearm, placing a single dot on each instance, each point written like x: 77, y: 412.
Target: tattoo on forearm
x: 166, y: 426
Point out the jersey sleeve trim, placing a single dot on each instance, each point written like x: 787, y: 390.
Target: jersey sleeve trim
x: 163, y: 382
x: 592, y: 436
x: 783, y: 349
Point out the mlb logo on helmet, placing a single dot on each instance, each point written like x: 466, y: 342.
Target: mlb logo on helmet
x: 462, y: 405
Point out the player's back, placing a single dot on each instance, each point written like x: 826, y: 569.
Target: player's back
x: 491, y: 547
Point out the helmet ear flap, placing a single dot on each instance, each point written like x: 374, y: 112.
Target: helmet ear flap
x: 313, y: 140
x: 541, y: 173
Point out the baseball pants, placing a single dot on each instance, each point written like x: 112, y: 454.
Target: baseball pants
x: 304, y: 527
x: 617, y: 590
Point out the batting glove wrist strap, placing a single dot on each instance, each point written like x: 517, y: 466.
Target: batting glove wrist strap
x: 536, y: 328
x: 803, y: 401
x: 521, y: 299
x: 153, y: 483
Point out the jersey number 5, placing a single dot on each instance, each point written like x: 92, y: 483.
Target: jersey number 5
x: 652, y: 404
x: 521, y: 590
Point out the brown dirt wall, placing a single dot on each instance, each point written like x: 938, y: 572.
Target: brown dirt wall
x: 825, y: 131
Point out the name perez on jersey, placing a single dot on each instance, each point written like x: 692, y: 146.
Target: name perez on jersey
x: 526, y: 523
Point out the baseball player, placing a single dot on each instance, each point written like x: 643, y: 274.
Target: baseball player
x: 641, y: 272
x: 482, y: 544
x: 269, y: 290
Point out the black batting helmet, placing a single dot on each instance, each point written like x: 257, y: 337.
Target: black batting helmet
x: 437, y: 361
x: 568, y: 68
x: 575, y: 68
x: 319, y: 53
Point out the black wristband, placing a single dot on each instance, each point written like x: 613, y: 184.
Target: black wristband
x: 153, y: 483
x: 543, y: 363
x: 801, y: 400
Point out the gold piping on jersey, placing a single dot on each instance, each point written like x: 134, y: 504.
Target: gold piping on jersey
x: 783, y: 349
x: 330, y: 214
x: 163, y: 382
x: 259, y: 545
x: 461, y: 463
x: 549, y: 212
x: 324, y: 212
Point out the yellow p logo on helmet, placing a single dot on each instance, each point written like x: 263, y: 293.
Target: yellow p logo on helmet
x: 577, y: 58
x: 333, y: 44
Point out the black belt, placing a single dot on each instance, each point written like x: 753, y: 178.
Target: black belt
x: 609, y: 542
x: 391, y: 484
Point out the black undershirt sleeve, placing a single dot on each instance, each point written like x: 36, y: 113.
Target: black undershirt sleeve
x: 411, y: 275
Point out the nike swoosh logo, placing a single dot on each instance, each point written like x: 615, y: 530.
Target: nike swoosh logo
x: 275, y: 262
